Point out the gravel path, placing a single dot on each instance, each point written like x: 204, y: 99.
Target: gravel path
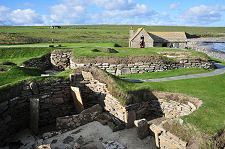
x: 220, y: 70
x: 93, y: 133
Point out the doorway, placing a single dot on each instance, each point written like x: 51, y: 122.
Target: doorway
x: 164, y: 45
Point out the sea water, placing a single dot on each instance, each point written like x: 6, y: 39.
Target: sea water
x: 217, y: 46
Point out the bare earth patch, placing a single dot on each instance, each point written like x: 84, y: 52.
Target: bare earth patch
x: 3, y: 70
x: 175, y: 54
x: 92, y: 134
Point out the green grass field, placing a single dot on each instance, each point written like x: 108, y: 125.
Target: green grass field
x: 92, y: 33
x: 122, y: 52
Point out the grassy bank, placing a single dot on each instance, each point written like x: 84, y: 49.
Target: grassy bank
x: 19, y: 54
x: 92, y: 33
x: 15, y: 74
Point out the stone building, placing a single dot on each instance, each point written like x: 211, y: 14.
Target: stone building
x: 156, y: 39
x: 55, y: 27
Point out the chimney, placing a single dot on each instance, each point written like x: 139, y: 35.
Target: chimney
x: 131, y: 32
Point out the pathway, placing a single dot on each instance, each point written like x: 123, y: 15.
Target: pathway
x: 220, y: 70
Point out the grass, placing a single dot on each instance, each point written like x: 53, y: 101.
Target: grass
x: 165, y: 74
x: 15, y: 74
x: 197, y: 54
x: 88, y: 52
x: 66, y: 44
x: 19, y: 55
x: 209, y: 118
x: 64, y: 73
x: 91, y: 33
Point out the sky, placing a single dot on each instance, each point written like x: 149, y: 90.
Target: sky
x: 130, y: 12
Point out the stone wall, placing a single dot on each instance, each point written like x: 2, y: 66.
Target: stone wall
x: 54, y: 99
x: 122, y: 69
x: 42, y: 63
x: 60, y: 59
x: 160, y: 106
x: 173, y: 105
x: 165, y: 139
x: 73, y: 121
x: 98, y: 90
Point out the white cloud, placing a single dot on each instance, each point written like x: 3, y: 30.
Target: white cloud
x: 64, y: 14
x: 25, y: 17
x: 19, y: 17
x: 202, y: 15
x: 174, y: 5
x: 111, y: 12
x: 4, y: 12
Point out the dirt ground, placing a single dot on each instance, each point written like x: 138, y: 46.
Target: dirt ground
x: 92, y: 133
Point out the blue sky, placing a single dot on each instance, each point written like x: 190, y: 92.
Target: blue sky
x: 146, y: 12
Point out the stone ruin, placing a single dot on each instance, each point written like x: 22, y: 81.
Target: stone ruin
x: 62, y: 60
x: 59, y: 104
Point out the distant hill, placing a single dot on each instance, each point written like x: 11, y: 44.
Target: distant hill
x: 92, y: 33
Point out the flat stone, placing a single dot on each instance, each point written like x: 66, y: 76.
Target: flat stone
x: 142, y: 128
x: 125, y: 71
x: 96, y: 108
x: 130, y: 117
x: 166, y: 144
x: 118, y: 72
x: 68, y: 139
x: 113, y: 145
x: 47, y: 146
x: 34, y: 88
x: 58, y: 101
x: 193, y: 107
x: 87, y: 75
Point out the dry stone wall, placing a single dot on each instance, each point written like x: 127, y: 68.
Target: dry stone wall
x: 173, y: 105
x: 122, y: 69
x: 165, y: 139
x: 73, y: 121
x: 103, y: 97
x: 54, y: 99
x: 61, y: 60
